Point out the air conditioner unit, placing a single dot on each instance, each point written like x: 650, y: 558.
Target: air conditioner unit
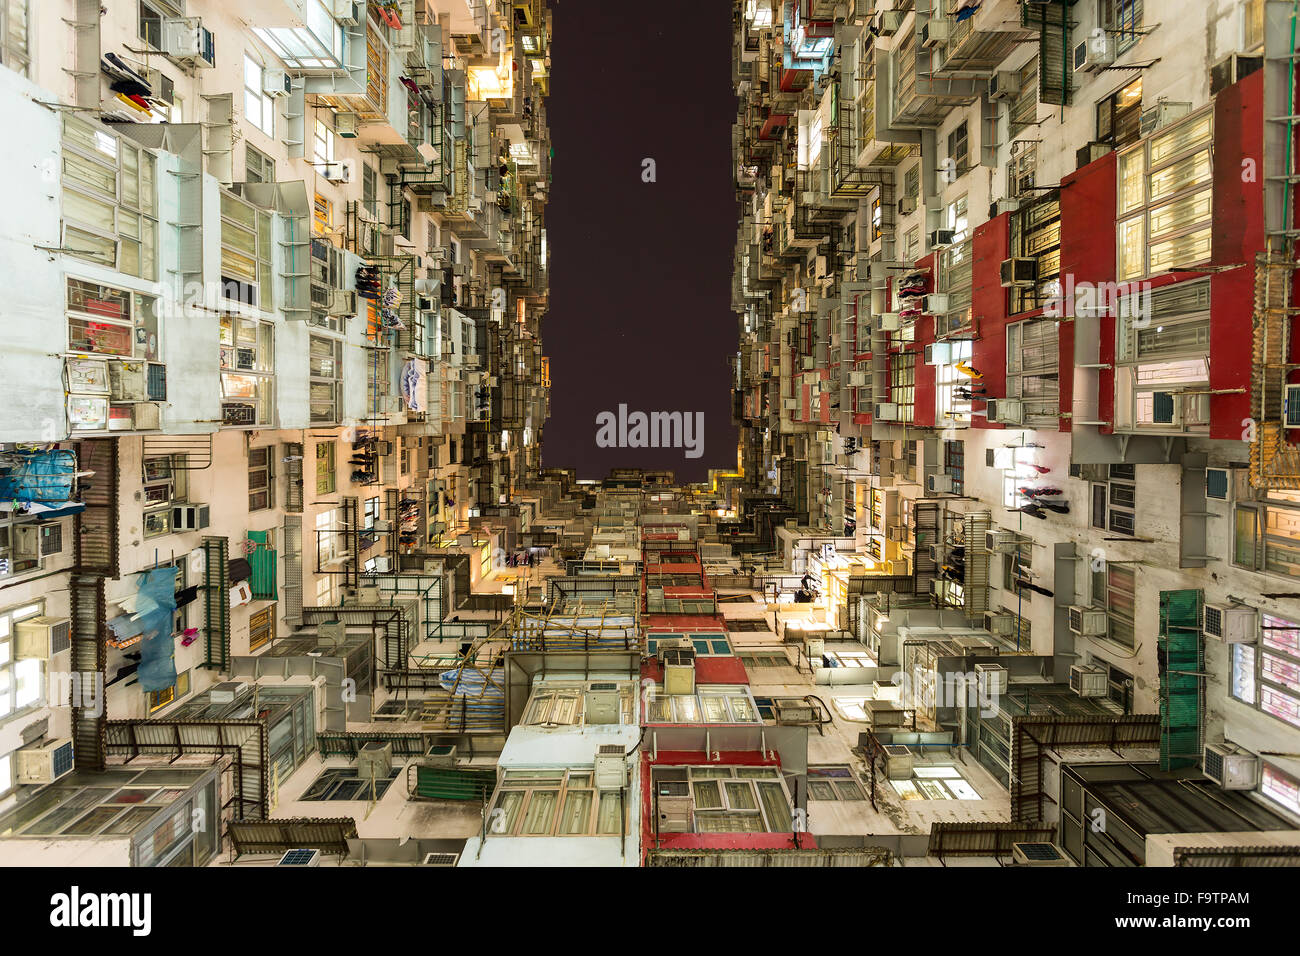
x: 337, y: 172
x: 936, y: 302
x: 1230, y: 768
x: 190, y: 517
x: 603, y: 704
x: 1090, y: 153
x: 1094, y: 54
x: 858, y: 379
x: 999, y: 622
x: 790, y: 404
x: 1038, y: 854
x: 937, y: 30
x: 383, y: 564
x: 1156, y: 118
x: 441, y: 859
x: 675, y: 805
x: 278, y: 83
x: 898, y: 762
x: 227, y: 692
x: 936, y: 552
x: 1001, y: 542
x: 347, y: 125
x: 991, y: 678
x: 343, y: 303
x: 40, y: 638
x: 26, y: 540
x: 1004, y: 84
x: 1088, y: 621
x: 611, y: 767
x: 679, y: 671
x: 441, y: 755
x: 350, y: 13
x: 896, y: 533
x: 1006, y: 411
x: 906, y: 206
x: 185, y: 40
x: 941, y: 237
x: 45, y: 762
x: 1018, y: 273
x: 885, y: 412
x: 936, y: 484
x: 162, y: 86
x: 938, y: 353
x: 303, y: 857
x: 889, y: 22
x: 1291, y: 407
x: 1218, y: 484
x: 1230, y: 623
x: 1089, y: 681
x: 889, y: 321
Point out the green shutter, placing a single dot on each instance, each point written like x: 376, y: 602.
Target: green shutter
x: 1052, y: 20
x: 263, y: 562
x: 1181, y: 657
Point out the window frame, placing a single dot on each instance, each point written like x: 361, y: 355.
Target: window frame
x: 319, y: 379
x: 9, y: 663
x: 232, y: 329
x: 266, y: 470
x: 265, y: 123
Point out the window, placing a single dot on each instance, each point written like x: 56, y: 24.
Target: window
x: 109, y: 199
x: 706, y: 645
x: 1276, y: 785
x: 950, y: 407
x: 326, y: 548
x: 323, y: 143
x: 902, y: 383
x: 1024, y: 107
x: 1252, y: 24
x: 13, y: 54
x: 1166, y: 194
x: 21, y: 680
x: 245, y: 253
x: 325, y: 468
x: 565, y: 704
x: 1119, y: 116
x: 106, y: 321
x: 913, y: 243
x: 935, y: 783
x: 1114, y: 502
x: 739, y: 800
x: 259, y: 109
x: 1036, y: 234
x: 1162, y: 359
x: 1267, y: 676
x: 6, y: 774
x: 261, y: 489
x: 957, y: 219
x: 953, y: 279
x: 912, y: 182
x: 261, y: 628
x: 378, y: 381
x: 326, y: 390
x: 160, y: 492
x: 158, y: 699
x: 835, y: 783
x: 710, y: 704
x: 247, y: 370
x: 1033, y: 373
x: 959, y: 148
x: 346, y: 783
x: 322, y: 216
x: 258, y: 167
x: 555, y: 803
x: 152, y: 13
x: 1266, y: 537
x: 1121, y: 588
x: 1123, y: 18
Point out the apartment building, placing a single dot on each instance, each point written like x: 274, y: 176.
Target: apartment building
x: 1012, y: 282
x: 272, y: 371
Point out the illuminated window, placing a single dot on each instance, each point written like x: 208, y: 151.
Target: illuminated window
x: 261, y: 486
x: 13, y: 54
x: 158, y: 699
x: 247, y: 358
x: 1267, y: 676
x: 259, y: 109
x: 22, y: 681
x: 261, y: 628
x: 325, y: 468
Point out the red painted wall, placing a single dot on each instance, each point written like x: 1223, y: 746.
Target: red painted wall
x: 991, y: 245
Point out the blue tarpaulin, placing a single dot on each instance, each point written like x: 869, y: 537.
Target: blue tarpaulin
x: 42, y: 476
x: 155, y: 609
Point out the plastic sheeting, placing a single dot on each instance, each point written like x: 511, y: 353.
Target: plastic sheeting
x: 156, y: 613
x: 414, y: 384
x: 484, y: 692
x: 40, y: 477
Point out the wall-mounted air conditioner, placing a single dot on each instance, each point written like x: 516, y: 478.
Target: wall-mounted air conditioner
x: 350, y: 13
x: 937, y: 484
x: 1005, y: 411
x: 340, y: 172
x: 1094, y: 54
x: 941, y: 237
x: 347, y: 125
x: 1088, y: 621
x: 936, y: 302
x: 1004, y: 84
x: 441, y: 859
x: 889, y: 321
x: 1291, y: 407
x: 44, y: 762
x: 679, y: 670
x: 277, y: 83
x: 303, y: 857
x: 1156, y: 118
x: 128, y: 381
x: 991, y: 678
x: 898, y: 761
x: 858, y: 379
x: 937, y: 30
x: 190, y: 517
x: 611, y: 767
x: 1229, y: 767
x: 1018, y: 272
x: 938, y: 353
x: 1089, y: 680
x: 1230, y: 623
x: 1001, y: 542
x: 999, y: 622
x: 185, y: 40
x: 343, y: 302
x: 906, y: 206
x: 885, y: 412
x: 40, y: 638
x: 889, y: 22
x: 1090, y: 153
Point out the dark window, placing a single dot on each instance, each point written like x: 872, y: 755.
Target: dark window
x: 1119, y: 116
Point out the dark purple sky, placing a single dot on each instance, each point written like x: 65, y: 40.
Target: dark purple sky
x: 640, y: 307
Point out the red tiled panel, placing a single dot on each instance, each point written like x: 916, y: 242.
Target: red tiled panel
x: 1238, y: 235
x: 923, y: 409
x: 1088, y: 203
x: 991, y: 245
